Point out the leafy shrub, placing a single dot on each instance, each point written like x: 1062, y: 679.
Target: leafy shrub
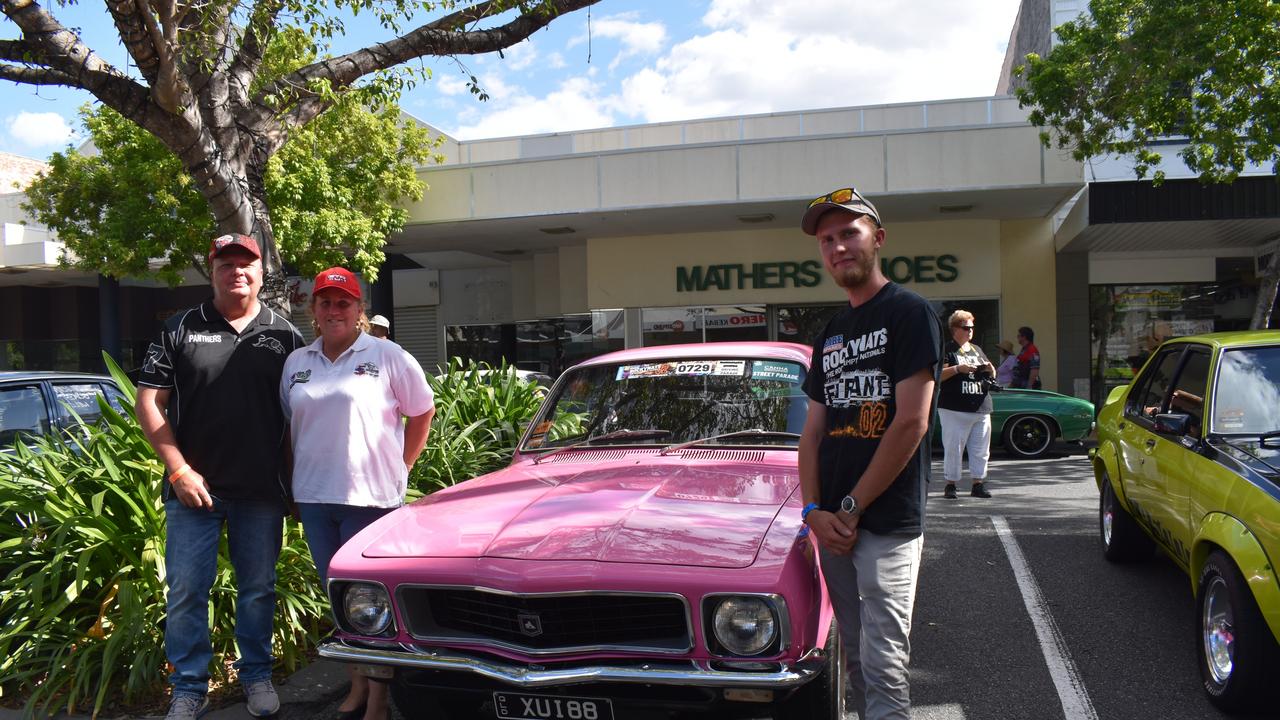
x: 82, y: 594
x: 481, y: 412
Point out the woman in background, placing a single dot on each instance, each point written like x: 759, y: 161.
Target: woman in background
x: 964, y: 407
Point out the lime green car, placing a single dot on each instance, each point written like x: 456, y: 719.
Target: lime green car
x: 1188, y: 461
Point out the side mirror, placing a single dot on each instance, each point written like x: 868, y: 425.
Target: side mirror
x: 1173, y: 423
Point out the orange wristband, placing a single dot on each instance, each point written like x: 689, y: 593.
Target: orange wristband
x: 179, y: 472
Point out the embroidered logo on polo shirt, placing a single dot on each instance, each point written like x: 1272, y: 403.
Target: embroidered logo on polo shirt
x: 367, y: 368
x: 299, y: 377
x: 271, y: 343
x: 198, y: 338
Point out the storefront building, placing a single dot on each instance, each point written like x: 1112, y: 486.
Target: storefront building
x: 553, y: 248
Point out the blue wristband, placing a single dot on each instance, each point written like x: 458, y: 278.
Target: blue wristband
x: 804, y: 514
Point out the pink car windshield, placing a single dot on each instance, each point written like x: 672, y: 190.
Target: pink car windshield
x: 675, y: 401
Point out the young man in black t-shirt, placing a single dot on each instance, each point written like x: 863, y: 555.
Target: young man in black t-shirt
x: 863, y: 467
x: 209, y: 403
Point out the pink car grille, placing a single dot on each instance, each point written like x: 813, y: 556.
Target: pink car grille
x: 548, y: 623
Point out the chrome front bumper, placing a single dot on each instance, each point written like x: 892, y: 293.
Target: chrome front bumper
x: 533, y: 676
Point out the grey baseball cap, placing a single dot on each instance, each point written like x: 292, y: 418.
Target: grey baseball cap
x: 845, y: 199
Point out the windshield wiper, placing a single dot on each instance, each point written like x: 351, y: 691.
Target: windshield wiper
x: 622, y: 434
x: 754, y: 432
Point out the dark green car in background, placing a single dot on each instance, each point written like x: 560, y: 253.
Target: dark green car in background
x: 1188, y: 460
x: 1027, y: 422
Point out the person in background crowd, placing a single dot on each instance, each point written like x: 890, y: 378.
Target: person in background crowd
x: 1026, y: 373
x: 1004, y: 372
x: 208, y: 402
x: 964, y: 407
x: 380, y: 327
x: 346, y: 396
x: 863, y: 467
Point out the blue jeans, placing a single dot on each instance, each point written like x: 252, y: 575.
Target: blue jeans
x: 330, y: 525
x: 254, y: 531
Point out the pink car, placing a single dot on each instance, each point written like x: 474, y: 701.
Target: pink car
x: 642, y: 555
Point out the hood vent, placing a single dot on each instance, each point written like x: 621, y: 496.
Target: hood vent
x: 594, y: 456
x: 736, y: 455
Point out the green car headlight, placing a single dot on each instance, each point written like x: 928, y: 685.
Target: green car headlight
x: 744, y: 625
x: 367, y: 608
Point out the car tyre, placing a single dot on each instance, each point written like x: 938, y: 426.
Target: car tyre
x: 823, y: 698
x: 1122, y: 538
x: 1236, y: 649
x: 1028, y: 436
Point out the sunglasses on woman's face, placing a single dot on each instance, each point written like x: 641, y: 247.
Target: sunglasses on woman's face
x: 965, y: 327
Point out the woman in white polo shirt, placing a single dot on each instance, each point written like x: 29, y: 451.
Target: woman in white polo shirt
x: 346, y: 396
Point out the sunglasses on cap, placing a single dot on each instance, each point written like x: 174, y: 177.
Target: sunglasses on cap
x: 839, y: 197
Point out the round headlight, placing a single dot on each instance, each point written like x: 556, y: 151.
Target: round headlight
x: 744, y: 625
x: 367, y: 609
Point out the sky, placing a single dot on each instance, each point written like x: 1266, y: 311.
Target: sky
x: 630, y: 62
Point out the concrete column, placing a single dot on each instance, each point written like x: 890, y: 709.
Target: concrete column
x: 108, y: 319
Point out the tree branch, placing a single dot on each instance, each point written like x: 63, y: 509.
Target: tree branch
x: 439, y: 37
x: 35, y: 76
x: 136, y: 36
x: 244, y: 68
x: 59, y: 51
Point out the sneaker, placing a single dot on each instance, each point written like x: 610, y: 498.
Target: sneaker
x: 261, y: 698
x: 187, y: 707
x: 950, y: 491
x: 980, y: 490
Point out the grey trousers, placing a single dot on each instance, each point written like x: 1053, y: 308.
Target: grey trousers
x: 873, y: 591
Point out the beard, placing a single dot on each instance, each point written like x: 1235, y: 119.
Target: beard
x: 855, y: 273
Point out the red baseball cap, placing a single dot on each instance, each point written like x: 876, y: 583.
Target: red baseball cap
x: 222, y: 243
x: 340, y: 278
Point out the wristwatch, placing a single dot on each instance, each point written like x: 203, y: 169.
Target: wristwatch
x: 849, y: 505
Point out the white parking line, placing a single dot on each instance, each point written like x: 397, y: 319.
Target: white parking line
x: 1066, y: 679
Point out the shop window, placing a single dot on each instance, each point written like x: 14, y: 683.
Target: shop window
x: 676, y: 326
x: 1128, y: 322
x: 480, y: 343
x: 802, y: 323
x: 547, y: 346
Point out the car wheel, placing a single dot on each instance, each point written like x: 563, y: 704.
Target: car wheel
x: 1122, y: 539
x: 1237, y: 650
x: 1028, y: 436
x: 823, y: 698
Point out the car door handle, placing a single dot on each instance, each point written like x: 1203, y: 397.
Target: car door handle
x: 1151, y: 443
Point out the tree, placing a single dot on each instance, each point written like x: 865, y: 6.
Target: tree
x: 199, y: 85
x: 1133, y: 73
x: 336, y: 190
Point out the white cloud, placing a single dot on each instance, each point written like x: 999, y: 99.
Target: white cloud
x: 451, y: 85
x: 520, y: 56
x: 574, y: 105
x: 37, y: 130
x: 637, y: 38
x: 765, y: 56
x: 757, y: 56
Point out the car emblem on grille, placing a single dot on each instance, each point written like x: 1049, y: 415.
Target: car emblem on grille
x: 530, y: 624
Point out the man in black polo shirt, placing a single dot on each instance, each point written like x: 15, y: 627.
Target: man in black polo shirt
x: 209, y: 403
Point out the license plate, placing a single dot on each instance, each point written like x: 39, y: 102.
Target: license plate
x: 520, y: 706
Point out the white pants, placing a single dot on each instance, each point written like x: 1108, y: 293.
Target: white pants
x: 873, y: 590
x: 965, y: 431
